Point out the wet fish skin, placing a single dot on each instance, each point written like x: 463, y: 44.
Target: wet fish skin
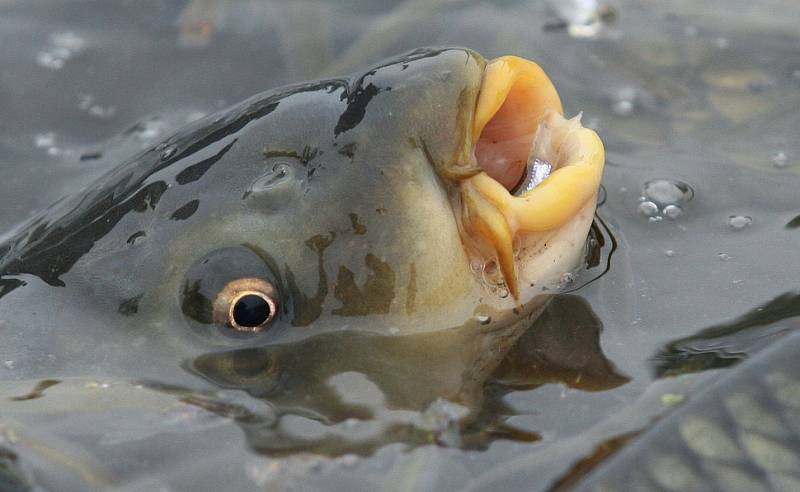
x: 742, y: 433
x: 330, y: 186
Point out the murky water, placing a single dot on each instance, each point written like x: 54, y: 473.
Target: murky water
x: 697, y: 105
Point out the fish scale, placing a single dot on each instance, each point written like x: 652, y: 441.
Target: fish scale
x: 743, y: 433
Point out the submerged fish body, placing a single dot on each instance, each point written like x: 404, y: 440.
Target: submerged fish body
x: 742, y: 433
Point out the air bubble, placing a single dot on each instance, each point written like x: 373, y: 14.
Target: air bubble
x: 780, y: 159
x: 44, y: 140
x: 63, y: 46
x: 483, y: 319
x: 665, y: 192
x: 623, y: 107
x: 648, y: 209
x: 47, y: 141
x: 88, y: 104
x: 664, y: 198
x: 672, y: 212
x: 669, y: 253
x: 491, y: 274
x: 739, y: 222
x: 724, y: 256
x: 624, y: 101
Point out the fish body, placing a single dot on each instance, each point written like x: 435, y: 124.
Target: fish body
x: 336, y: 250
x: 741, y: 433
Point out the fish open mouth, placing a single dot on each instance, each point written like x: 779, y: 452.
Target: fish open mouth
x: 539, y: 169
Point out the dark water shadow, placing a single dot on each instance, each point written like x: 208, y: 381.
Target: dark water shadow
x: 729, y: 343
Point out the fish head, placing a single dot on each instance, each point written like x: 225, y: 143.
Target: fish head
x: 379, y: 203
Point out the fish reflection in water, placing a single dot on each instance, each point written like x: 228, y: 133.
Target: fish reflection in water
x: 352, y: 393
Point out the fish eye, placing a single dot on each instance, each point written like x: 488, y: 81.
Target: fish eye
x: 230, y: 295
x: 246, y: 305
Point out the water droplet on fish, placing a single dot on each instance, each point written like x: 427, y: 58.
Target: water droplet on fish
x: 672, y: 212
x: 148, y: 130
x: 269, y: 180
x: 168, y: 152
x: 483, y: 319
x: 780, y: 159
x: 442, y: 417
x: 739, y: 222
x: 491, y: 274
x: 724, y: 256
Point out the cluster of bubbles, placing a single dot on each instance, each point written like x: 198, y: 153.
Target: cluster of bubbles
x: 49, y: 143
x: 664, y: 198
x: 63, y: 46
x: 491, y: 275
x: 89, y: 105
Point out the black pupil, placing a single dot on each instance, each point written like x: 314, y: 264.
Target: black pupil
x: 251, y: 311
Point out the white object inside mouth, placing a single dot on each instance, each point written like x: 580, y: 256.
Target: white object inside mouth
x: 536, y: 172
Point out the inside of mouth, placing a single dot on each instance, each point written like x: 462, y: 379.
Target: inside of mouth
x: 504, y: 147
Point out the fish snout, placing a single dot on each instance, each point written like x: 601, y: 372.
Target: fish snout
x: 539, y: 171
